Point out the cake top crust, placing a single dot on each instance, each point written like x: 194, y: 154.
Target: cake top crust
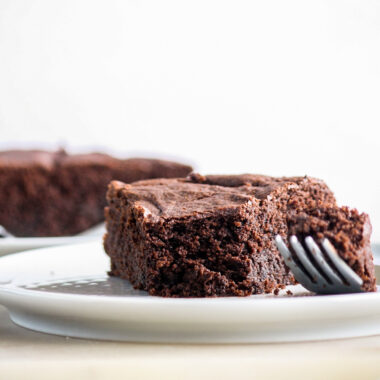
x: 52, y: 159
x: 22, y: 158
x: 48, y: 159
x: 177, y: 198
x: 197, y: 194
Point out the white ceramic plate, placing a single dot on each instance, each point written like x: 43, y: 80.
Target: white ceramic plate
x: 17, y: 244
x: 65, y: 291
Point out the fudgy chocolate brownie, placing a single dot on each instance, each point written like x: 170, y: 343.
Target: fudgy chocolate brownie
x: 214, y: 236
x: 54, y: 193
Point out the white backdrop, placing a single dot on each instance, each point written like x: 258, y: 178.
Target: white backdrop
x: 275, y: 87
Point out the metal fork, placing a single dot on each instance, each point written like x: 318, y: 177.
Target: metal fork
x: 320, y: 278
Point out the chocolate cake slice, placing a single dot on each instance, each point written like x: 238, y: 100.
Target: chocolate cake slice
x: 55, y: 194
x: 214, y: 235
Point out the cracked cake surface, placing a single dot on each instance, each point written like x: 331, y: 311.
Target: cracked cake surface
x: 207, y: 236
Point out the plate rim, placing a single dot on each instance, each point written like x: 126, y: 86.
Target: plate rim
x: 152, y: 319
x: 17, y: 289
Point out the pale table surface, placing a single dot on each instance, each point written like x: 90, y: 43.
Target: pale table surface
x: 31, y: 355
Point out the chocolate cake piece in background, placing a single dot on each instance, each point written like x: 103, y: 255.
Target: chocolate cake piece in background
x: 214, y: 235
x: 56, y: 194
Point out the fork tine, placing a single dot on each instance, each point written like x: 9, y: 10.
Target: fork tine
x: 325, y: 267
x: 302, y: 256
x: 298, y: 273
x: 341, y: 266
